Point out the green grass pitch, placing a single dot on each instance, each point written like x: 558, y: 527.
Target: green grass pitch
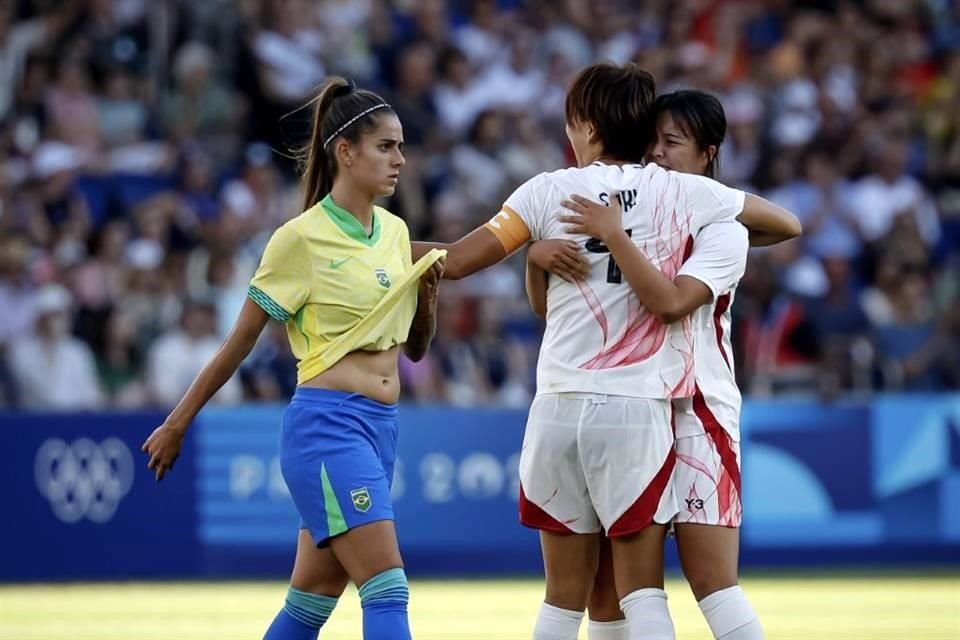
x: 847, y: 608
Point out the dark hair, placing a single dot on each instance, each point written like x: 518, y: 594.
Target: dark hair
x: 700, y: 116
x: 618, y: 102
x: 449, y: 56
x: 340, y: 111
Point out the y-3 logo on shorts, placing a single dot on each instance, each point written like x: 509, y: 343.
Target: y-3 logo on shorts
x: 361, y: 499
x: 693, y: 504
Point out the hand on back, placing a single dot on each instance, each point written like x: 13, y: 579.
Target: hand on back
x: 562, y: 258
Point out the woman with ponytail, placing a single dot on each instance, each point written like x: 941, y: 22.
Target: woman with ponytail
x: 341, y: 278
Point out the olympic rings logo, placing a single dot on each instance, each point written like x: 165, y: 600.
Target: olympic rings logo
x: 84, y: 479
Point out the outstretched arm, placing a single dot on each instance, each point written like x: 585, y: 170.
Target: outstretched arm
x: 163, y: 445
x: 474, y: 252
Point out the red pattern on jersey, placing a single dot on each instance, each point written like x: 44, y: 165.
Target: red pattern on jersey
x: 595, y: 307
x: 642, y: 339
x: 644, y: 335
x: 688, y: 251
x: 723, y: 303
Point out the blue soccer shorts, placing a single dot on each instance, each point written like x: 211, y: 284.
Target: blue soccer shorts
x: 337, y: 452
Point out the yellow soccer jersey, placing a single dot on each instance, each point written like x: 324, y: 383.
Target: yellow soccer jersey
x: 321, y: 274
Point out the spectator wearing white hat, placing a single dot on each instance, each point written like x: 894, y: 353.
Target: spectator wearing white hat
x: 52, y: 369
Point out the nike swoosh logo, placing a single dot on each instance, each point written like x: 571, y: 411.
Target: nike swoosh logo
x: 336, y: 264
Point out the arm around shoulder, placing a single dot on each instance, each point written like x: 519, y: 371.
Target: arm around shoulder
x: 767, y: 222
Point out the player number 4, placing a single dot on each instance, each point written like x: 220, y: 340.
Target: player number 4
x: 614, y: 275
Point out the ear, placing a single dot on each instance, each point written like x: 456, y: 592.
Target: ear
x: 343, y: 152
x: 711, y: 153
x: 592, y: 133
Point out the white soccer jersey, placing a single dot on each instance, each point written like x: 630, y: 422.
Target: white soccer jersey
x: 719, y: 260
x: 598, y: 338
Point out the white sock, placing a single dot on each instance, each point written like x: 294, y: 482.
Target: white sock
x: 730, y: 615
x: 554, y: 623
x: 613, y: 630
x: 646, y: 609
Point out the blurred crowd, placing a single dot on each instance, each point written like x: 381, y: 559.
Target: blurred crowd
x: 146, y: 154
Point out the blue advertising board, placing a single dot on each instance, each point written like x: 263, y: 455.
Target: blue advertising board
x: 845, y: 484
x: 81, y: 503
x: 852, y: 483
x: 455, y: 490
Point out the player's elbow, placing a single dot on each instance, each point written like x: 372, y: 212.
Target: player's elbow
x: 669, y: 311
x: 414, y: 353
x: 669, y: 317
x: 792, y: 227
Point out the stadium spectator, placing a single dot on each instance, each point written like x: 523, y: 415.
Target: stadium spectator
x: 823, y: 201
x: 199, y: 106
x: 120, y: 362
x: 909, y: 347
x: 53, y: 369
x: 841, y: 326
x: 19, y: 39
x: 177, y: 357
x: 889, y: 193
x: 17, y: 296
x: 455, y: 94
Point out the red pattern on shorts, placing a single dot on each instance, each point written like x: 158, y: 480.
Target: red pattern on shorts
x: 531, y: 515
x: 727, y: 483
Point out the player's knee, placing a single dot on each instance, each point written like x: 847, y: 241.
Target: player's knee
x: 387, y: 589
x: 328, y: 586
x: 604, y: 605
x: 705, y: 579
x: 569, y: 591
x: 311, y: 609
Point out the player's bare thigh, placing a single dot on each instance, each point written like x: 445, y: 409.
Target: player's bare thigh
x: 708, y: 556
x: 570, y: 565
x: 638, y: 560
x: 368, y: 550
x: 604, y: 605
x: 358, y: 555
x: 317, y: 570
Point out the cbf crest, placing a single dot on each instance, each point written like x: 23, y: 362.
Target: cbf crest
x: 361, y: 499
x: 383, y: 278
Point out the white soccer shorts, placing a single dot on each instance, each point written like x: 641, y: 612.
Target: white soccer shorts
x: 707, y: 476
x: 592, y: 461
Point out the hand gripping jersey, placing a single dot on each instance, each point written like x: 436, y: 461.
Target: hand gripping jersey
x: 598, y: 338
